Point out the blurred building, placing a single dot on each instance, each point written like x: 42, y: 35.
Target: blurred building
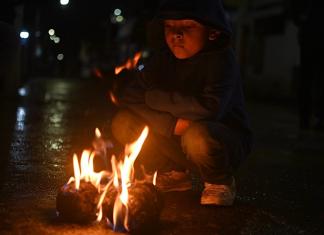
x: 99, y: 34
x: 10, y: 20
x: 267, y: 46
x: 70, y: 40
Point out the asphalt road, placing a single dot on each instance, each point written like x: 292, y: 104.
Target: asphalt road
x: 280, y: 186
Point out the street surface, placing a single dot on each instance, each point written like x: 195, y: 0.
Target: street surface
x: 280, y: 186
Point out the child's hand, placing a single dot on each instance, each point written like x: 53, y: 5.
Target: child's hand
x: 181, y: 126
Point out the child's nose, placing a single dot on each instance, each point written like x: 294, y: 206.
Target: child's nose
x: 178, y: 34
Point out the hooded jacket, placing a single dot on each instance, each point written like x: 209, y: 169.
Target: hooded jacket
x: 205, y: 87
x: 208, y: 12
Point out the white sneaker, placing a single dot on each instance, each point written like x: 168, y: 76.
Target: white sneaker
x: 221, y: 195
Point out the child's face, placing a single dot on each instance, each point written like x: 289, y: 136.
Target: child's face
x: 185, y: 37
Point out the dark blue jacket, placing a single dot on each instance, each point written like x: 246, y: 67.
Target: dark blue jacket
x: 206, y: 86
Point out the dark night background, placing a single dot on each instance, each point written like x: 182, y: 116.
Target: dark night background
x: 54, y: 92
x: 265, y: 38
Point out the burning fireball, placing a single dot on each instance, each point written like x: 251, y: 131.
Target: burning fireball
x: 126, y: 204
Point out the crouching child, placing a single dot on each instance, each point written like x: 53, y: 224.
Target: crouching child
x: 190, y: 95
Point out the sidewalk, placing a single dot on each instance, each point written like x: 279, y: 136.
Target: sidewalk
x: 280, y: 187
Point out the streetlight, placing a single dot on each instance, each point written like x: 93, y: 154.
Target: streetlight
x: 117, y: 16
x: 24, y: 34
x: 60, y: 56
x: 117, y: 12
x: 119, y: 19
x: 51, y: 32
x: 56, y: 40
x: 64, y: 2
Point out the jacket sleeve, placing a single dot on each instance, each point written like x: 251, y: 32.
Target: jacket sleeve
x: 133, y: 98
x: 211, y: 102
x: 160, y: 122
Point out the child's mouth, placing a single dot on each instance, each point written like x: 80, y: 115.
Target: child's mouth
x: 178, y: 46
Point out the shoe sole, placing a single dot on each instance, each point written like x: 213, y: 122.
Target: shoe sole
x: 179, y: 188
x: 216, y: 202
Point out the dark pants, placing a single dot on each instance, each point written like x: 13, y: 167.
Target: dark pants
x: 210, y: 149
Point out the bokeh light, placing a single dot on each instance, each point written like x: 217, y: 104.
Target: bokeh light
x: 24, y: 34
x: 60, y: 57
x: 51, y: 32
x: 64, y: 2
x: 117, y: 12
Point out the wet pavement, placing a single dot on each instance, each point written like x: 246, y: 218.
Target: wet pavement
x: 280, y: 187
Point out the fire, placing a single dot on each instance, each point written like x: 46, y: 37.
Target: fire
x: 154, y: 178
x: 130, y: 63
x: 113, y: 98
x: 121, y: 178
x: 85, y: 170
x: 98, y: 133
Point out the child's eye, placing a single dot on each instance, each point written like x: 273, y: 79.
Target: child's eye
x: 190, y: 26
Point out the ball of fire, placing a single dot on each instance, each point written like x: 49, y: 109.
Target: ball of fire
x: 125, y: 203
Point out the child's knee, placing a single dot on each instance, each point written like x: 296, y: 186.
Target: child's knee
x: 198, y: 144
x: 126, y: 126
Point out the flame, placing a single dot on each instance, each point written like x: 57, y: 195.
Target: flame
x: 122, y: 178
x: 85, y: 170
x: 130, y: 63
x: 98, y: 133
x: 76, y: 171
x: 154, y: 178
x: 113, y: 98
x: 123, y: 172
x: 101, y: 199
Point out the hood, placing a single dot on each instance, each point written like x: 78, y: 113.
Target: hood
x: 208, y: 12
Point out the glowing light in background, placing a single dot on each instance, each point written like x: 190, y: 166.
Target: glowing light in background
x: 51, y: 32
x: 38, y: 51
x: 53, y: 37
x: 60, y: 56
x: 24, y: 34
x: 57, y: 40
x: 55, y: 144
x: 20, y: 118
x: 64, y: 2
x: 22, y: 91
x: 117, y: 12
x: 119, y: 19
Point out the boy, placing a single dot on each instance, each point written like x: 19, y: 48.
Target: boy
x: 190, y: 95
